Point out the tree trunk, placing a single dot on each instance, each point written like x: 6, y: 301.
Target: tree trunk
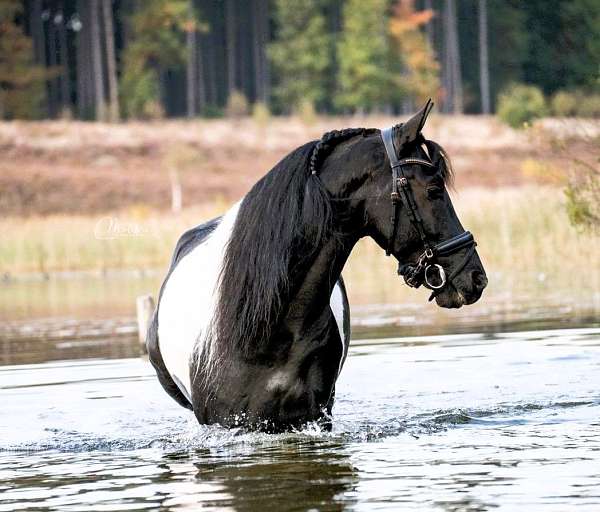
x: 452, y: 72
x: 98, y: 77
x: 231, y: 45
x: 65, y: 78
x: 80, y: 64
x: 191, y: 73
x: 200, y: 82
x: 53, y: 89
x: 39, y: 40
x: 111, y: 62
x: 264, y: 39
x: 484, y: 72
x: 429, y: 27
x: 176, y: 190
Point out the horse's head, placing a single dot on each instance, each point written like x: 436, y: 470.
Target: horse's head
x: 397, y: 183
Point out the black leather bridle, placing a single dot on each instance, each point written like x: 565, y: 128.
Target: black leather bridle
x: 426, y: 270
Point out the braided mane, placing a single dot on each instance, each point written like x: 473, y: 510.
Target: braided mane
x: 327, y: 143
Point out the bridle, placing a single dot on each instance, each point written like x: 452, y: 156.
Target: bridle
x: 426, y: 271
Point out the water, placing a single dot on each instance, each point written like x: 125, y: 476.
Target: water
x: 464, y: 422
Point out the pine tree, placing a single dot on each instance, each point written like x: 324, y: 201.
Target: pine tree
x: 579, y: 44
x: 484, y: 72
x: 300, y: 54
x: 21, y: 80
x: 111, y: 62
x: 508, y: 44
x: 363, y: 54
x: 419, y: 78
x: 157, y: 42
x: 452, y: 72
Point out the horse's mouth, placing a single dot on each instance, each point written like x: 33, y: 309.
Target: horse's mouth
x: 453, y: 298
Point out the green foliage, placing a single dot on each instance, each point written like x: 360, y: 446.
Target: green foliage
x: 580, y: 208
x: 564, y: 104
x: 21, y: 80
x: 578, y: 47
x: 237, y: 105
x: 363, y: 54
x: 520, y: 103
x: 508, y: 45
x: 583, y: 190
x: 300, y: 54
x: 157, y: 42
x: 589, y: 106
x: 576, y: 103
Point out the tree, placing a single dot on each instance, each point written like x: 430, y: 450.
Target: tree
x: 579, y: 43
x: 191, y: 68
x: 157, y: 43
x: 21, y: 79
x: 259, y: 44
x: 365, y: 81
x: 230, y: 20
x: 484, y: 72
x: 111, y: 62
x: 508, y: 44
x: 300, y: 54
x: 419, y: 78
x: 452, y: 75
x: 95, y: 32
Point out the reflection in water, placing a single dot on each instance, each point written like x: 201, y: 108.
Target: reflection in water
x: 463, y: 422
x: 303, y: 476
x: 95, y: 317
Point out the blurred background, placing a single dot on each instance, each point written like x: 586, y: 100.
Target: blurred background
x: 125, y: 122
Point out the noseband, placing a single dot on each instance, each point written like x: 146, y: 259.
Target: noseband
x: 426, y: 270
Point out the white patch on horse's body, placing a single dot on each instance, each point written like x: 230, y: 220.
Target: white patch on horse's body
x: 336, y: 303
x: 189, y: 299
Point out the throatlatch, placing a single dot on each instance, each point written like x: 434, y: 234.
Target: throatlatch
x: 426, y: 271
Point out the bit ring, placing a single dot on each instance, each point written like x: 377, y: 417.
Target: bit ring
x: 441, y: 275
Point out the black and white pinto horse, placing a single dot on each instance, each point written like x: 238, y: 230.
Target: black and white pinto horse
x: 252, y: 325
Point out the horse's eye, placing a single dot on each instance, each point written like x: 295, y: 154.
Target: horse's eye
x: 435, y: 192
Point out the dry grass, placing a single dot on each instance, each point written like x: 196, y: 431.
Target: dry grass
x: 520, y: 231
x: 86, y: 168
x: 524, y: 239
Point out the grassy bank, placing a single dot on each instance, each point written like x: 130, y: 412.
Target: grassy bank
x: 521, y: 229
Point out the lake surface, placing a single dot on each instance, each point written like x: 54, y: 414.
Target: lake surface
x: 504, y: 421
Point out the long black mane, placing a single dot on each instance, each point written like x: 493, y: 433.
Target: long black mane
x: 285, y: 216
x: 282, y: 221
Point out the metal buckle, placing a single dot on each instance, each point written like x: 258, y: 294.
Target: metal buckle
x: 428, y: 253
x: 441, y: 276
x: 402, y: 181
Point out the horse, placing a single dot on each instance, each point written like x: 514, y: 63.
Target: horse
x: 252, y: 325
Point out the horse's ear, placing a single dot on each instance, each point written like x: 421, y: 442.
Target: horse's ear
x: 409, y: 131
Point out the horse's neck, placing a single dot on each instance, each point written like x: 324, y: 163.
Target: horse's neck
x: 315, y: 282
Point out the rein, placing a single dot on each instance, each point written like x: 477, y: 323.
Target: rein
x: 426, y: 271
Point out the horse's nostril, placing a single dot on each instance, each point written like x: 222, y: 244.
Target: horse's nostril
x: 479, y: 279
